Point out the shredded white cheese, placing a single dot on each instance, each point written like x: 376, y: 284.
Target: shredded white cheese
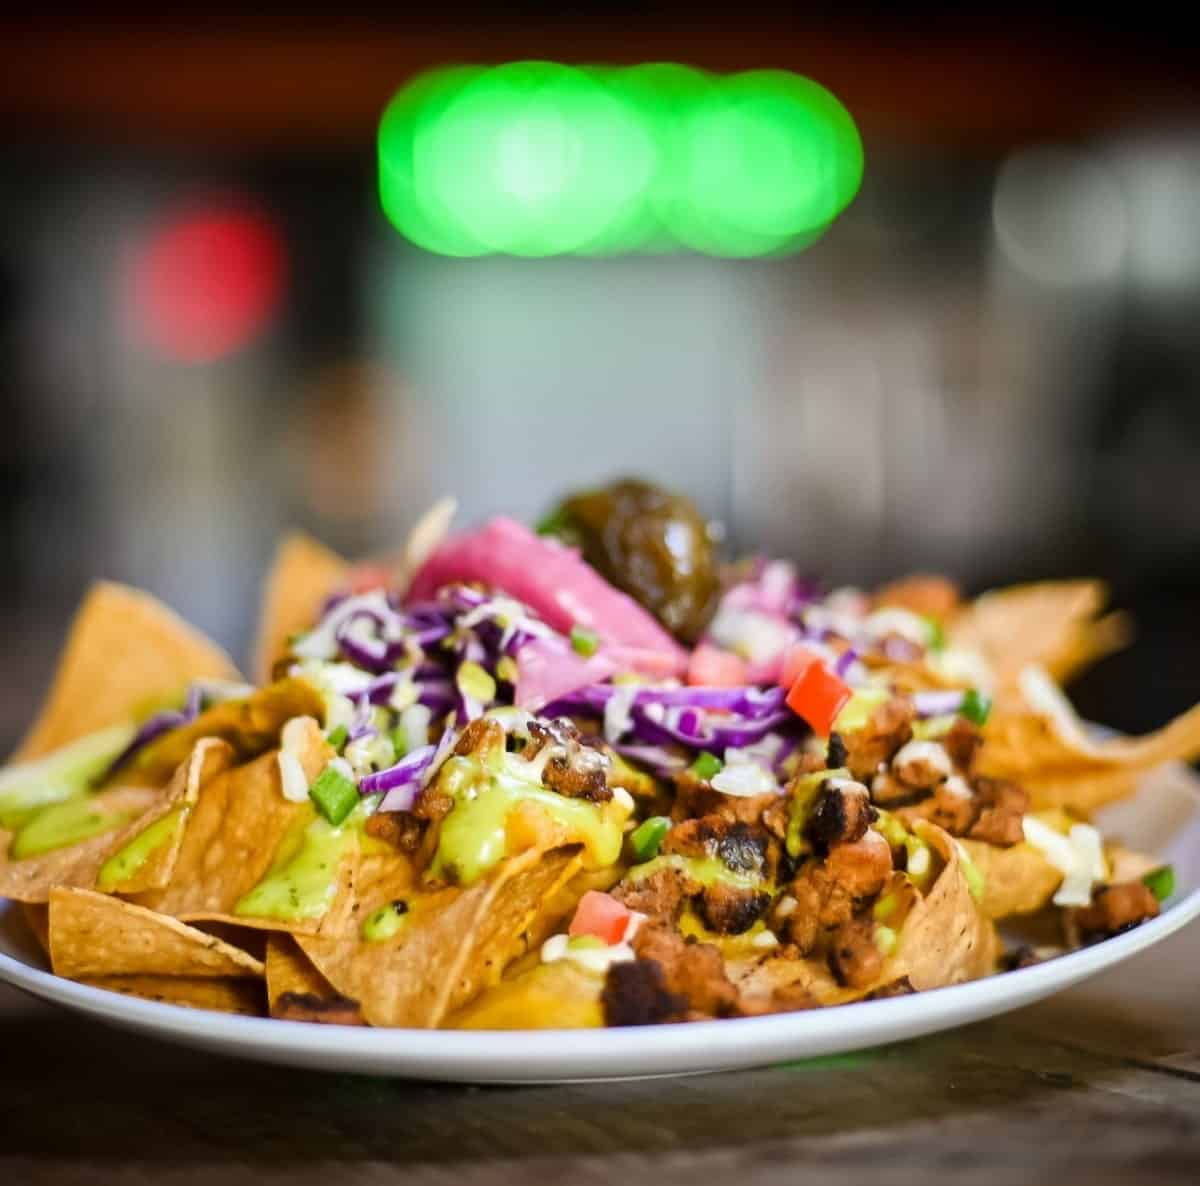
x: 922, y: 753
x: 292, y: 779
x: 1078, y: 856
x: 617, y: 713
x: 591, y: 959
x: 755, y: 636
x: 742, y: 776
x: 902, y: 622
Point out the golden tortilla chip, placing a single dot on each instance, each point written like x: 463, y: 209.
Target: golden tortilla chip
x: 296, y: 991
x: 455, y: 943
x: 251, y: 726
x: 303, y: 574
x: 194, y: 992
x: 1017, y: 879
x: 555, y: 996
x: 240, y: 831
x: 32, y: 878
x: 147, y: 859
x: 124, y: 651
x: 1025, y: 624
x: 96, y: 935
x: 1052, y: 756
x: 946, y: 939
x: 1088, y: 642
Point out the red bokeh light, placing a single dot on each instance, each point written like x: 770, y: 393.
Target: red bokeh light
x: 204, y: 282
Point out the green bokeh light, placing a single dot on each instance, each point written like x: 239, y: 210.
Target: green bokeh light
x: 537, y: 159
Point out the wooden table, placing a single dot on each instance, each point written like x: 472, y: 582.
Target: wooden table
x: 1099, y: 1086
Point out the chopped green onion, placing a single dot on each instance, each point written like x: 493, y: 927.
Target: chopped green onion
x: 976, y: 707
x: 399, y: 741
x: 937, y: 634
x: 583, y: 641
x: 335, y: 795
x: 475, y: 682
x: 1161, y: 882
x: 647, y: 837
x: 886, y: 907
x: 707, y: 766
x: 506, y: 669
x: 337, y: 737
x: 885, y: 940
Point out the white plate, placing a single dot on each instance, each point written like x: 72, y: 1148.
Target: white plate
x: 1165, y: 820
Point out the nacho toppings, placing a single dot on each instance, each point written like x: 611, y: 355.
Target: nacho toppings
x: 503, y: 794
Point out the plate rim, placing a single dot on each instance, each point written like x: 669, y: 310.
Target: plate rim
x: 459, y: 1054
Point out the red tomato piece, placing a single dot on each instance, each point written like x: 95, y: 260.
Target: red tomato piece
x: 818, y: 696
x: 365, y: 577
x: 797, y: 661
x: 709, y: 666
x: 600, y: 915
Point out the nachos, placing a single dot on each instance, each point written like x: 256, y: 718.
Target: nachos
x: 587, y: 775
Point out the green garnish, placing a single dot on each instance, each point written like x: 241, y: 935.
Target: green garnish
x: 937, y: 634
x: 886, y: 907
x: 475, y: 682
x: 334, y: 794
x: 885, y: 940
x: 1161, y: 882
x: 646, y: 839
x: 399, y: 741
x: 337, y: 737
x: 506, y: 669
x: 707, y: 766
x: 976, y: 707
x: 583, y: 641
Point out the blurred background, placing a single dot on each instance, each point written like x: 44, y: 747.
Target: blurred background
x: 990, y: 365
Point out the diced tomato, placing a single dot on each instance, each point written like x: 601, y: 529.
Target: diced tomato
x: 712, y: 667
x: 601, y: 915
x: 818, y: 696
x: 365, y: 577
x: 797, y: 661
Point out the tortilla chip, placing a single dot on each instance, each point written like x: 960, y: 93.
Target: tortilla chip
x: 208, y: 758
x: 251, y: 726
x: 232, y: 838
x: 1060, y: 765
x: 1017, y: 879
x: 946, y: 938
x: 1087, y: 643
x: 457, y: 943
x: 37, y: 918
x: 95, y: 935
x: 31, y: 879
x: 303, y: 574
x: 296, y: 991
x: 124, y: 650
x: 193, y: 992
x: 1024, y: 624
x: 549, y: 996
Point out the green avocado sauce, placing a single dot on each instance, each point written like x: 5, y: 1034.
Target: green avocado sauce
x: 705, y: 870
x: 125, y: 862
x: 64, y: 774
x: 473, y: 837
x: 303, y: 879
x: 63, y: 824
x: 386, y: 922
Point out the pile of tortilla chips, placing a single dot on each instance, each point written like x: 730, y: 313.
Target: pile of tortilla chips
x: 159, y: 892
